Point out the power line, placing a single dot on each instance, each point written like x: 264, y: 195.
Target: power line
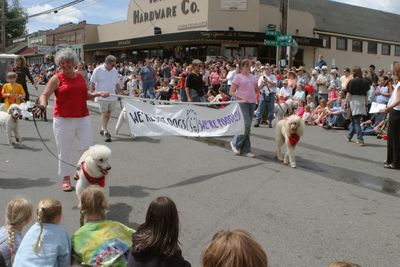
x: 52, y: 10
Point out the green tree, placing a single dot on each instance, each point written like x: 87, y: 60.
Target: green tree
x: 16, y: 18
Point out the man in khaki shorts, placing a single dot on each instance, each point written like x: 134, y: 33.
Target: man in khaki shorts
x: 105, y: 78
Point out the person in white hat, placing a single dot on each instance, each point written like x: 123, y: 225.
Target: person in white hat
x: 323, y: 82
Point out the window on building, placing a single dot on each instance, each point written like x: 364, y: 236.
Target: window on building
x: 341, y: 43
x: 372, y: 48
x: 357, y: 46
x: 326, y: 40
x: 397, y: 51
x: 386, y: 49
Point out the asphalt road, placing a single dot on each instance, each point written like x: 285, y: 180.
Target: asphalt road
x: 340, y: 203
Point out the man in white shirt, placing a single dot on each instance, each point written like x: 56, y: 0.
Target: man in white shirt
x: 323, y: 82
x: 233, y: 70
x: 105, y: 78
x: 267, y: 83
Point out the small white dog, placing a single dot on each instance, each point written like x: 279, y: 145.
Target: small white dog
x: 288, y: 131
x: 9, y: 120
x: 92, y: 168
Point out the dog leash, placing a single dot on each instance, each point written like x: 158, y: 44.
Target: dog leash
x: 48, y: 149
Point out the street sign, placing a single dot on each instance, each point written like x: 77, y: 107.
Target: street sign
x: 270, y: 42
x: 285, y: 43
x: 272, y: 33
x: 284, y: 38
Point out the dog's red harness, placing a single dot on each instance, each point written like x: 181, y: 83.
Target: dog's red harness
x: 294, y: 139
x: 93, y: 181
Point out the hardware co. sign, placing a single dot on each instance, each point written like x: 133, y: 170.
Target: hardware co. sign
x: 185, y: 7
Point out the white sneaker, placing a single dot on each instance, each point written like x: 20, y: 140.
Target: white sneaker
x: 234, y: 149
x: 250, y: 155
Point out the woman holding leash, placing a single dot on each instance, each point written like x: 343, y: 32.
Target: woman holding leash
x: 71, y: 115
x: 244, y: 87
x: 22, y: 71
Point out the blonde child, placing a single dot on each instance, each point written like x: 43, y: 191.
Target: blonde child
x: 12, y: 92
x: 343, y: 264
x: 332, y: 94
x: 18, y: 215
x: 99, y: 242
x: 235, y: 248
x: 46, y: 243
x: 307, y: 115
x: 310, y: 102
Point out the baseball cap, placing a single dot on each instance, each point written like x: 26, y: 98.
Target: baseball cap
x: 324, y: 67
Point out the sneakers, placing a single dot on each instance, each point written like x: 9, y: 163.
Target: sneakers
x: 348, y: 139
x: 234, y: 149
x: 107, y: 136
x: 256, y: 125
x: 102, y: 132
x: 250, y: 155
x: 360, y: 143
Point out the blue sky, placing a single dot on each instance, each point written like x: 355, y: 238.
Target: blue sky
x: 106, y: 11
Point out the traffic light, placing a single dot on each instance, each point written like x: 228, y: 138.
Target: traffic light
x: 157, y: 30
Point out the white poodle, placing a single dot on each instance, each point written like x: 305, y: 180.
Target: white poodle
x: 9, y: 120
x: 288, y: 131
x: 92, y: 168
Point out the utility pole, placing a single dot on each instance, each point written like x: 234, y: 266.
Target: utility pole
x: 3, y: 25
x: 284, y: 7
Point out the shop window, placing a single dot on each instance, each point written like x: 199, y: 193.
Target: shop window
x: 326, y: 40
x: 372, y: 48
x: 397, y: 51
x: 386, y: 49
x: 341, y: 43
x: 357, y: 46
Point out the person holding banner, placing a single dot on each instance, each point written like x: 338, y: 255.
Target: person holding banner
x: 244, y: 88
x: 194, y: 83
x: 393, y: 142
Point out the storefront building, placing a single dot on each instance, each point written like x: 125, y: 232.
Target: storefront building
x: 208, y: 29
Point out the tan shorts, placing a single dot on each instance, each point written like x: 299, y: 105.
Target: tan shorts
x: 106, y: 106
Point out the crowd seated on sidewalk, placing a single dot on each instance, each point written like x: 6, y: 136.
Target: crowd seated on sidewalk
x: 103, y: 242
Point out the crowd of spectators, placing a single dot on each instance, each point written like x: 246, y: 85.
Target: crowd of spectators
x: 100, y: 241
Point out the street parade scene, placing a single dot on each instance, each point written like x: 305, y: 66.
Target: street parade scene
x: 210, y: 133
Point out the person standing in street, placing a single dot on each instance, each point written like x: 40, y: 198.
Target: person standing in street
x: 244, y: 88
x: 393, y: 108
x: 148, y: 77
x: 105, y: 78
x: 22, y: 71
x: 194, y: 83
x: 71, y: 115
x: 267, y: 82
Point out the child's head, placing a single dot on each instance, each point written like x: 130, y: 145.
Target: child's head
x: 322, y: 102
x: 11, y: 77
x: 330, y: 104
x: 161, y: 228
x: 221, y: 90
x: 234, y: 248
x: 93, y: 202
x: 309, y: 98
x: 18, y: 214
x: 343, y: 264
x: 302, y: 103
x: 332, y: 86
x: 308, y: 108
x: 341, y: 95
x: 49, y: 210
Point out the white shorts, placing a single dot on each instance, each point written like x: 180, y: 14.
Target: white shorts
x: 106, y: 106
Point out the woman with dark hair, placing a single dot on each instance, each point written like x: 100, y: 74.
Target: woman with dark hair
x: 393, y: 108
x: 22, y: 73
x: 357, y: 90
x: 156, y: 241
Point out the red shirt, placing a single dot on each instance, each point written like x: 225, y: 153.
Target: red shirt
x: 70, y: 97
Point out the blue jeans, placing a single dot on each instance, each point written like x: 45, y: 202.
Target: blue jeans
x: 195, y: 96
x: 242, y: 142
x: 148, y: 90
x: 266, y: 101
x: 368, y: 130
x: 182, y: 94
x: 355, y: 128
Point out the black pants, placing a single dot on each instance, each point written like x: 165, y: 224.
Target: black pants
x: 26, y: 92
x: 393, y: 142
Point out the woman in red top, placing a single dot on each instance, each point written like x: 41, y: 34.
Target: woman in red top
x: 71, y: 115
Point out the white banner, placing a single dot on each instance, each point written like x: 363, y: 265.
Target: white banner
x: 146, y: 119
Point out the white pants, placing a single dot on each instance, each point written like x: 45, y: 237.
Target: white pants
x: 66, y: 130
